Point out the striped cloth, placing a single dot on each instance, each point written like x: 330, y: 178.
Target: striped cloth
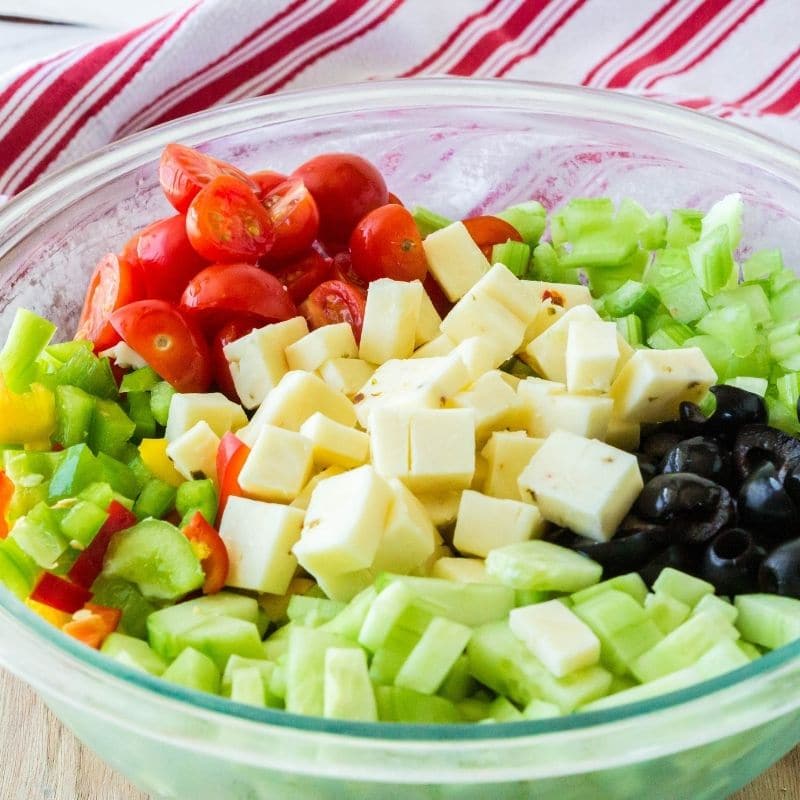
x: 739, y: 59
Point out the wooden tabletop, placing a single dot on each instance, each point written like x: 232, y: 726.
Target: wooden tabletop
x: 42, y: 760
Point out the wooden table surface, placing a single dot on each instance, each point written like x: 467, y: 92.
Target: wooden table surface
x: 42, y: 760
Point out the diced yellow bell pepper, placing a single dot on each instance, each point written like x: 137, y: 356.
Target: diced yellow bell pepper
x: 29, y: 417
x: 51, y: 615
x: 154, y: 455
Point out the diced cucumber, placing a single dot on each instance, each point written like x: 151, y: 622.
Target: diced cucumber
x: 222, y: 637
x: 396, y: 704
x: 667, y: 612
x: 382, y: 615
x: 683, y: 587
x: 39, y: 535
x: 768, y: 620
x: 194, y: 670
x: 403, y: 637
x: 133, y: 652
x: 267, y: 668
x: 311, y: 612
x: 474, y: 709
x: 529, y: 597
x: 349, y: 621
x: 247, y: 686
x: 750, y: 650
x: 348, y: 692
x: 540, y: 709
x: 503, y: 710
x: 630, y: 583
x: 276, y: 646
x: 120, y: 476
x: 82, y: 522
x: 711, y: 602
x: 459, y: 683
x: 13, y: 572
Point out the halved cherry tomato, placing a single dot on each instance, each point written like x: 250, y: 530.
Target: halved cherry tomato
x: 184, y: 171
x: 226, y: 222
x: 266, y: 180
x: 223, y: 291
x: 393, y: 198
x: 211, y: 550
x: 294, y: 217
x: 300, y: 277
x: 114, y: 283
x: 92, y: 624
x: 439, y: 299
x: 387, y: 244
x: 167, y: 258
x: 6, y: 493
x: 343, y: 270
x: 346, y: 187
x: 336, y: 301
x: 488, y: 231
x: 229, y: 332
x: 56, y: 592
x: 168, y: 340
x: 231, y: 455
x: 89, y: 563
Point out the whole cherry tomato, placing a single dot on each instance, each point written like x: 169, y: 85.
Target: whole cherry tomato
x: 336, y: 301
x: 229, y: 332
x: 294, y: 217
x: 488, y: 231
x: 393, y: 198
x: 304, y: 274
x: 387, y: 244
x: 266, y: 180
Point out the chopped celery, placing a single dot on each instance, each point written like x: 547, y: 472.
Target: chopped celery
x: 712, y: 261
x: 716, y: 351
x: 734, y: 325
x: 26, y: 340
x: 601, y: 249
x: 750, y: 384
x: 785, y: 303
x: 782, y: 416
x: 670, y: 335
x: 751, y: 295
x: 514, y: 255
x: 160, y: 399
x: 140, y: 380
x: 725, y: 213
x: 633, y: 297
x: 762, y: 264
x: 529, y: 218
x: 684, y: 227
x: 630, y: 327
x: 784, y: 345
x: 547, y: 266
x: 778, y: 281
x: 582, y: 216
x: 672, y: 276
x: 428, y: 221
x: 788, y: 387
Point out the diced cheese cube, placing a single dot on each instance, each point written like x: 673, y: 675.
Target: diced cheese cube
x: 194, y: 453
x: 442, y: 449
x: 548, y: 315
x: 321, y: 345
x: 622, y: 434
x: 558, y: 637
x: 258, y: 360
x: 390, y: 320
x: 259, y: 538
x: 124, y: 356
x: 653, y: 384
x: 390, y: 441
x: 480, y: 315
x: 335, y: 444
x: 409, y: 538
x: 186, y: 410
x: 442, y: 507
x: 462, y: 570
x: 428, y: 322
x: 485, y: 523
x: 441, y: 551
x: 346, y: 375
x: 304, y: 498
x: 481, y: 470
x: 298, y: 395
x: 344, y: 523
x: 494, y: 403
x: 548, y: 351
x: 565, y: 295
x: 440, y: 346
x: 592, y: 356
x: 480, y: 354
x: 507, y: 454
x: 582, y: 484
x: 455, y: 261
x: 502, y: 285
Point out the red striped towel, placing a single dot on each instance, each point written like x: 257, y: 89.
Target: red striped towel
x: 738, y: 59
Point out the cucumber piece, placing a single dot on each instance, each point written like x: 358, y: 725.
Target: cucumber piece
x: 134, y: 653
x: 348, y: 692
x: 542, y: 566
x: 768, y: 620
x: 194, y: 670
x: 277, y: 645
x: 266, y: 668
x: 459, y: 683
x: 667, y: 612
x: 222, y: 637
x: 156, y: 557
x: 117, y: 593
x: 277, y: 685
x: 383, y: 614
x: 38, y: 534
x: 503, y: 710
x: 311, y: 612
x: 399, y: 644
x: 711, y: 602
x: 349, y: 621
x: 530, y: 597
x: 683, y: 587
x: 750, y: 650
x: 396, y: 704
x: 247, y: 686
x: 630, y: 583
x: 540, y: 709
x: 474, y: 709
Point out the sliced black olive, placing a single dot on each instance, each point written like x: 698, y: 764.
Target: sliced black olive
x: 683, y: 557
x: 691, y: 419
x: 646, y: 467
x: 677, y: 494
x: 731, y: 562
x: 700, y: 455
x: 780, y: 570
x: 792, y: 484
x: 699, y: 530
x: 735, y: 407
x: 765, y: 506
x: 756, y: 444
x: 659, y: 443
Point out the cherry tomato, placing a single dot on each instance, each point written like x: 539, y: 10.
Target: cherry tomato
x: 168, y: 340
x: 229, y: 332
x: 393, y: 198
x: 128, y: 252
x: 92, y: 624
x: 184, y: 171
x: 387, y: 244
x: 56, y: 592
x: 266, y: 180
x: 346, y: 187
x: 294, y: 217
x: 336, y: 301
x: 231, y: 455
x: 223, y: 291
x: 439, y: 299
x: 306, y: 273
x: 226, y: 222
x: 343, y: 270
x: 211, y: 551
x: 488, y: 231
x: 6, y: 493
x: 114, y: 283
x: 167, y: 258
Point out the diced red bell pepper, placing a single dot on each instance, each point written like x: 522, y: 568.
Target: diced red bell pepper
x: 6, y: 493
x: 92, y: 624
x: 56, y: 592
x: 211, y: 551
x: 231, y: 455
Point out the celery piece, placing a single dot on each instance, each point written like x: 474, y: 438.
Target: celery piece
x: 529, y: 219
x: 784, y: 304
x: 749, y: 384
x: 608, y: 249
x: 77, y: 469
x: 38, y: 534
x: 788, y: 387
x: 156, y: 500
x: 582, y: 216
x: 762, y: 264
x: 715, y: 350
x: 751, y: 295
x: 782, y: 416
x: 633, y: 297
x: 63, y: 351
x: 87, y: 372
x: 110, y: 429
x: 120, y: 476
x: 734, y: 325
x: 712, y: 261
x: 682, y: 296
x: 194, y: 496
x: 651, y: 229
x: 26, y: 340
x: 141, y: 414
x: 670, y: 336
x: 428, y: 221
x: 726, y: 213
x: 630, y: 327
x: 684, y: 227
x: 546, y: 266
x: 784, y: 345
x: 756, y: 364
x: 74, y: 412
x: 160, y: 399
x: 514, y: 255
x: 82, y: 522
x: 140, y: 380
x: 778, y: 281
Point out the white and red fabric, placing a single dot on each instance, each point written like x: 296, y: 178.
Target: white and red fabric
x: 739, y: 59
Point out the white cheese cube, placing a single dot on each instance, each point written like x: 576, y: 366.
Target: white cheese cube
x: 343, y: 588
x: 428, y: 322
x: 462, y: 570
x: 622, y: 434
x: 335, y: 444
x: 321, y: 345
x: 653, y: 384
x: 494, y: 403
x: 548, y: 351
x: 548, y: 315
x: 124, y: 356
x: 390, y: 320
x: 507, y: 454
x: 344, y: 523
x: 455, y: 261
x: 194, y: 453
x: 582, y: 484
x: 389, y: 441
x: 564, y: 295
x: 481, y: 470
x: 258, y: 360
x: 480, y: 354
x: 346, y: 375
x: 485, y: 523
x: 559, y: 638
x: 304, y: 498
x: 298, y: 395
x: 442, y: 449
x: 440, y: 346
x: 502, y: 285
x: 278, y: 466
x: 480, y: 315
x: 441, y: 507
x: 259, y: 538
x: 592, y: 356
x: 186, y: 410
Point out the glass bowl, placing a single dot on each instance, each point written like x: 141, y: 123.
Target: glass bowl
x: 457, y: 146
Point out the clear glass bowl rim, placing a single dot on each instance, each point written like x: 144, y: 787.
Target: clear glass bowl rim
x: 57, y: 190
